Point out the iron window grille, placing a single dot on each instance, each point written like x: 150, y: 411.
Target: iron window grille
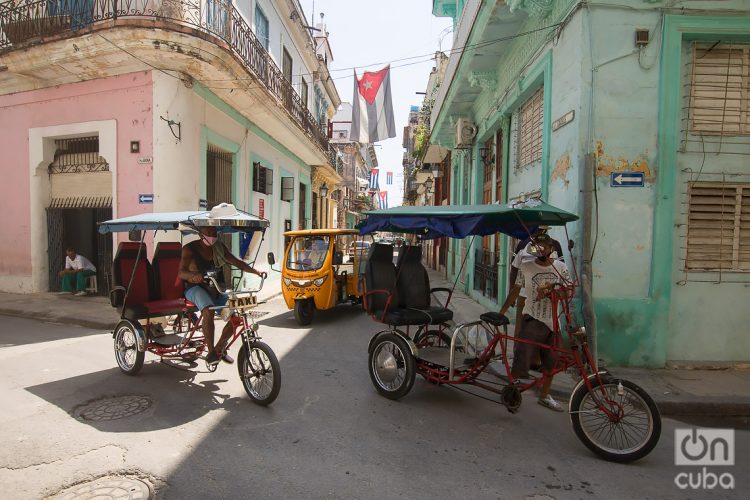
x: 78, y: 154
x: 218, y: 176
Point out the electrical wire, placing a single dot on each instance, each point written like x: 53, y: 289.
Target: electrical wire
x: 424, y: 57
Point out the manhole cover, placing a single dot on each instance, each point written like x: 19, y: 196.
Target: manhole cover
x: 108, y: 487
x: 112, y: 408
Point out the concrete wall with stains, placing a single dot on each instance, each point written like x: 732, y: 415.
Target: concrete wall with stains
x: 565, y: 145
x: 625, y: 90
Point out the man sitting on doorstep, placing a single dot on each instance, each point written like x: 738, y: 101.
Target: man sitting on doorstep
x: 77, y: 269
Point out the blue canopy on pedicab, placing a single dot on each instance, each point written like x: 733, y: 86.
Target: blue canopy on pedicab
x: 225, y: 217
x: 460, y: 221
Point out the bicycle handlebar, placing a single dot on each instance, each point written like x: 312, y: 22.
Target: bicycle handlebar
x: 210, y: 276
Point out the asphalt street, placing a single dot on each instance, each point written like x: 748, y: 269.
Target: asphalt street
x: 194, y: 434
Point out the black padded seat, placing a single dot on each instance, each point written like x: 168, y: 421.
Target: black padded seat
x: 495, y: 319
x: 414, y: 287
x: 380, y: 281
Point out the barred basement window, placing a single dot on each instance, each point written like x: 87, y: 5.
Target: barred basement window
x: 720, y: 89
x: 262, y: 179
x: 529, y: 139
x: 718, y: 234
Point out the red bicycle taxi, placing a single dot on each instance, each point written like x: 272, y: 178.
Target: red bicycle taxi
x: 156, y: 318
x: 613, y: 417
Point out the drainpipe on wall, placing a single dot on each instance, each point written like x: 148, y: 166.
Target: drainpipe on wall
x: 589, y: 317
x: 589, y: 211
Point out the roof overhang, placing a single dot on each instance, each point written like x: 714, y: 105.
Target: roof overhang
x: 488, y: 26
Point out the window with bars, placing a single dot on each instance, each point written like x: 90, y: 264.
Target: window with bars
x: 262, y: 179
x: 79, y: 154
x: 718, y: 229
x: 719, y: 97
x: 529, y: 132
x: 218, y: 176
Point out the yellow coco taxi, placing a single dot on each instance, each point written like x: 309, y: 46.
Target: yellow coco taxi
x: 319, y: 272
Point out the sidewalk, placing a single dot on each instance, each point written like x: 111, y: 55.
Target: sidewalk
x: 679, y: 391
x: 90, y: 311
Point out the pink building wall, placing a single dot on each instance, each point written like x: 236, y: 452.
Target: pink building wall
x: 127, y: 99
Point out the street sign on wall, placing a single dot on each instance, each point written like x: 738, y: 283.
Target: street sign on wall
x: 145, y: 198
x: 262, y: 208
x: 626, y: 179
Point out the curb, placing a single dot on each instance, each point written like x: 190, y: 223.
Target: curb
x: 703, y: 407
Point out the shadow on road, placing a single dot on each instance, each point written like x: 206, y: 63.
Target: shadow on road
x: 161, y: 397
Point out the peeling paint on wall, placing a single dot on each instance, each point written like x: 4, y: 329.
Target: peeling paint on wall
x: 562, y: 166
x: 605, y: 164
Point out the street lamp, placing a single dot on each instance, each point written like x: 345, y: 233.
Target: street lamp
x: 323, y: 190
x: 428, y: 184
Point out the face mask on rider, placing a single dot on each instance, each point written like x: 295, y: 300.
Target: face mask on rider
x: 210, y: 240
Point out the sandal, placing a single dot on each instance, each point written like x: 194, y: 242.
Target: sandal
x: 550, y: 403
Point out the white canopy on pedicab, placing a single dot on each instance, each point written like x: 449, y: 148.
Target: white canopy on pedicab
x: 225, y: 217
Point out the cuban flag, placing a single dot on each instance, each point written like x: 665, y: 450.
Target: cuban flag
x: 374, y: 180
x: 389, y: 177
x: 372, y: 107
x: 383, y: 199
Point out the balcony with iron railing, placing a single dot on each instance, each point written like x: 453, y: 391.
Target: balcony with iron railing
x: 25, y: 23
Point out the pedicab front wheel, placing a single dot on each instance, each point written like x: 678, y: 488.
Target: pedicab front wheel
x: 260, y: 372
x: 392, y: 366
x: 129, y: 358
x: 630, y: 433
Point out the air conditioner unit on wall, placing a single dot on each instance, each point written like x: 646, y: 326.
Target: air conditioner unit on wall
x: 465, y: 133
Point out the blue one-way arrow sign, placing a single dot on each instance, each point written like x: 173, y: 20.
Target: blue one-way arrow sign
x: 626, y: 179
x: 145, y: 198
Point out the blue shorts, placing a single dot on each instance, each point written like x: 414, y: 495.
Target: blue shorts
x: 202, y: 299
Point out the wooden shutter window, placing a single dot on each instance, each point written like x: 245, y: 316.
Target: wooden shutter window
x: 718, y: 234
x: 531, y: 118
x: 720, y: 84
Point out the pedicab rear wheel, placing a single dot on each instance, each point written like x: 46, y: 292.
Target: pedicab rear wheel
x: 392, y: 366
x: 304, y: 311
x: 129, y: 358
x: 631, y: 436
x: 430, y: 338
x: 260, y: 372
